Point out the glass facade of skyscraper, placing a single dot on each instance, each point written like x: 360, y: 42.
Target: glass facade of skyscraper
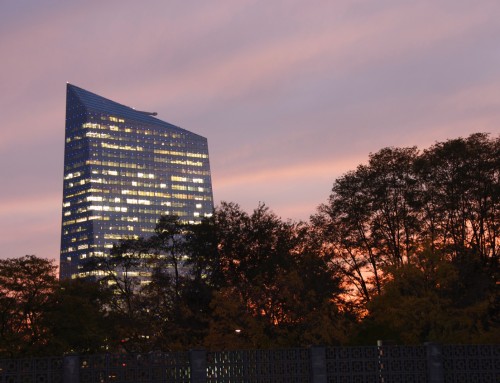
x: 122, y: 169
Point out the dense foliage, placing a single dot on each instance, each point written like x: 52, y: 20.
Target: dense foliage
x: 417, y: 237
x: 406, y: 248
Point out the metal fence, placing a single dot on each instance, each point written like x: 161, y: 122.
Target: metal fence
x: 273, y: 366
x: 430, y: 363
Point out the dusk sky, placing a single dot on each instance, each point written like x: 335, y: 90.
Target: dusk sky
x: 290, y: 94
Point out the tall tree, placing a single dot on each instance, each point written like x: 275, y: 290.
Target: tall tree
x: 27, y: 285
x: 121, y: 274
x: 369, y: 222
x: 275, y: 282
x: 460, y: 183
x: 379, y: 215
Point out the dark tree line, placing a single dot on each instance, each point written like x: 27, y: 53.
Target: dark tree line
x: 417, y: 235
x: 406, y: 249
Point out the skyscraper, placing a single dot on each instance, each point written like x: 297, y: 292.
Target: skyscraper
x: 122, y: 169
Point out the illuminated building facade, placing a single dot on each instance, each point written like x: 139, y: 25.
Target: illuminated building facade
x: 122, y: 169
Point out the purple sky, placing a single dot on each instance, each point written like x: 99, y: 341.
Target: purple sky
x: 290, y: 94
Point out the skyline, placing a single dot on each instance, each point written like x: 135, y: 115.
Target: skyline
x: 289, y: 95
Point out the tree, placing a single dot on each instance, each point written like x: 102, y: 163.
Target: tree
x: 275, y: 282
x: 160, y: 291
x: 432, y: 299
x: 460, y: 193
x: 77, y: 319
x: 121, y: 274
x: 27, y: 285
x: 369, y: 222
x: 169, y: 246
x: 380, y: 215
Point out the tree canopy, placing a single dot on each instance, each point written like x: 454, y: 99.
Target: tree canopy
x: 406, y: 248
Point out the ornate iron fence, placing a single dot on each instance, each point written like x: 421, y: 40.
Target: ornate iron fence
x: 135, y: 368
x: 34, y: 370
x: 352, y: 364
x: 273, y: 366
x: 430, y: 363
x: 471, y: 363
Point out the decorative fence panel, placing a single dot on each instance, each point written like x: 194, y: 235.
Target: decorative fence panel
x: 352, y: 364
x: 403, y: 364
x: 471, y: 363
x: 34, y: 370
x: 430, y: 363
x: 262, y: 366
x: 135, y: 368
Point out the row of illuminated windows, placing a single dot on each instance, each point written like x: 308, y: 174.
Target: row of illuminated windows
x: 185, y: 179
x: 107, y: 181
x: 80, y: 238
x: 145, y: 193
x: 109, y: 208
x: 175, y: 153
x: 94, y: 198
x: 132, y: 166
x: 133, y: 192
x: 112, y: 118
x: 141, y: 175
x: 83, y: 246
x: 142, y: 274
x: 88, y: 191
x: 125, y: 174
x: 129, y: 139
x: 75, y: 229
x: 121, y: 209
x: 71, y: 201
x: 178, y: 162
x: 128, y: 183
x: 126, y: 129
x: 134, y: 219
x: 118, y: 209
x: 142, y: 160
x: 180, y: 213
x: 138, y: 175
x: 114, y: 164
x: 98, y: 198
x: 136, y: 148
x: 188, y: 188
x: 72, y: 175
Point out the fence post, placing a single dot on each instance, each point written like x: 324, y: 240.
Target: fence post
x: 71, y: 369
x: 435, y: 368
x: 380, y: 352
x: 198, y: 364
x: 318, y: 364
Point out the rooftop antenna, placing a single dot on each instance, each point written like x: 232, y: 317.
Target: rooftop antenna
x: 147, y: 113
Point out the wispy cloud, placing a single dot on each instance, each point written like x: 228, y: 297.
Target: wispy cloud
x: 289, y: 94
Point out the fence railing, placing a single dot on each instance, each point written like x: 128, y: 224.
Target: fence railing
x: 430, y: 363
